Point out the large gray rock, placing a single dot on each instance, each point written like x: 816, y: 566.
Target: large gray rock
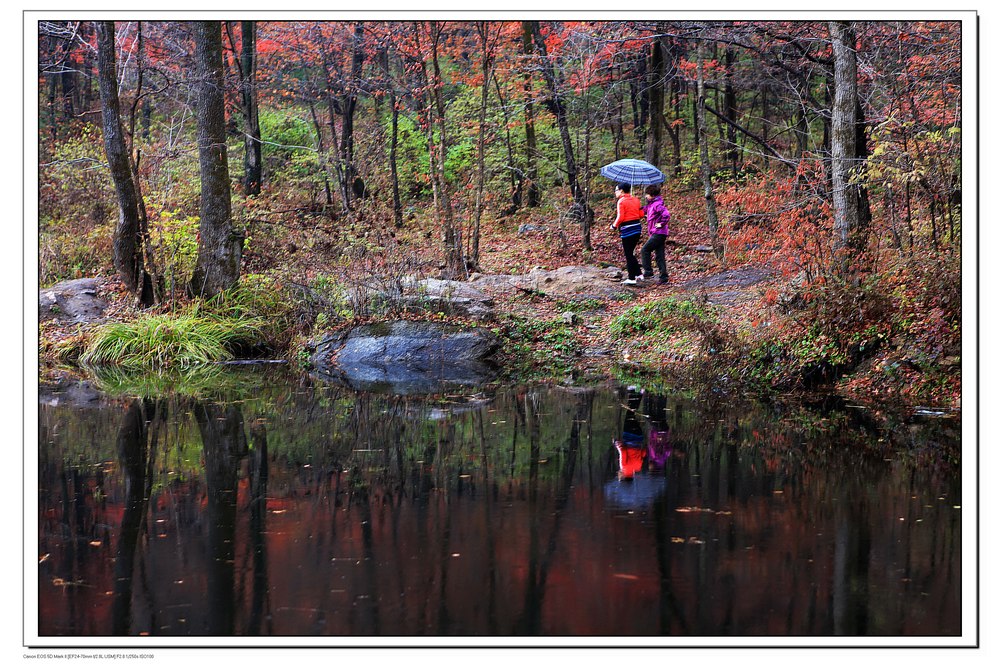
x: 72, y: 301
x: 406, y: 357
x: 570, y: 282
x: 447, y: 296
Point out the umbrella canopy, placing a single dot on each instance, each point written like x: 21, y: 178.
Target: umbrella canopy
x: 633, y: 172
x: 636, y: 493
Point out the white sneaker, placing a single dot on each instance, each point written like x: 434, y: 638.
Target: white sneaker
x: 639, y: 279
x: 628, y: 281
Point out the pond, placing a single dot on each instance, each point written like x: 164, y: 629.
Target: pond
x: 259, y: 501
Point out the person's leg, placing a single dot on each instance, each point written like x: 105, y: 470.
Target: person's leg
x: 661, y: 256
x: 632, y: 264
x: 625, y: 253
x: 647, y: 261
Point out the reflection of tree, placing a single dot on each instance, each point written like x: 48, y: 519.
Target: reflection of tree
x: 539, y: 563
x: 224, y: 443
x: 134, y: 454
x: 258, y: 515
x: 852, y: 552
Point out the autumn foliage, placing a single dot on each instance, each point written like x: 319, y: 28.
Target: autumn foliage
x: 372, y: 157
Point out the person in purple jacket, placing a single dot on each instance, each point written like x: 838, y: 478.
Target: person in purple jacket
x: 657, y: 217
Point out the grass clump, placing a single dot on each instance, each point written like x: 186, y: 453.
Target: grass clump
x: 160, y: 341
x: 538, y: 348
x: 667, y: 331
x: 661, y: 316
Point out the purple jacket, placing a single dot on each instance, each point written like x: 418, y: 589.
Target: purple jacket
x: 657, y: 216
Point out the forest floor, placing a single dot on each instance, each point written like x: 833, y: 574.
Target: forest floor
x: 731, y: 295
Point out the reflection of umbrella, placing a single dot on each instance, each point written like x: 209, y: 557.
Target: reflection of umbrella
x: 633, y: 172
x: 636, y: 493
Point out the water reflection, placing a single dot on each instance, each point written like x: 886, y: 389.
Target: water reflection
x: 290, y: 507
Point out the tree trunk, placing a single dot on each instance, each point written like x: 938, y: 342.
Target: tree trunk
x: 482, y: 28
x: 675, y: 130
x: 338, y: 171
x: 397, y: 203
x: 581, y: 208
x: 516, y: 175
x: 729, y: 109
x: 655, y: 85
x: 127, y: 241
x: 252, y: 165
x: 706, y: 168
x: 323, y: 158
x: 220, y: 246
x: 843, y: 142
x: 348, y: 105
x: 454, y: 264
x: 534, y: 196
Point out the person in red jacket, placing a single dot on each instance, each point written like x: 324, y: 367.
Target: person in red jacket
x: 628, y: 222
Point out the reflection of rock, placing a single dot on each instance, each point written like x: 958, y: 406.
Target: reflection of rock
x: 66, y: 392
x: 72, y: 300
x: 407, y: 357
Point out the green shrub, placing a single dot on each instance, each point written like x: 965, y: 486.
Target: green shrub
x: 174, y: 241
x: 657, y: 316
x: 66, y: 253
x: 259, y: 299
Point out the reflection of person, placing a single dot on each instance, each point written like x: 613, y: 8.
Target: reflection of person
x: 630, y: 459
x: 658, y: 444
x: 631, y: 446
x: 628, y: 222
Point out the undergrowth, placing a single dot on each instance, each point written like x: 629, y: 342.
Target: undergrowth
x: 158, y: 341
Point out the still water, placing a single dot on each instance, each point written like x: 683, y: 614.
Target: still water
x: 262, y: 502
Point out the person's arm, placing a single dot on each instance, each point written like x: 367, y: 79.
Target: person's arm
x: 618, y: 218
x: 662, y: 215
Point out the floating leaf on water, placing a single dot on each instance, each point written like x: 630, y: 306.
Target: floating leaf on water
x: 630, y: 577
x: 677, y: 540
x: 44, y: 558
x: 95, y: 543
x: 695, y: 540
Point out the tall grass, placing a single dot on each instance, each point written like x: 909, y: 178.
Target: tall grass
x: 160, y: 341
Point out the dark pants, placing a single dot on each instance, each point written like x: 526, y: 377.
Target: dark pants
x: 657, y: 243
x: 631, y: 263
